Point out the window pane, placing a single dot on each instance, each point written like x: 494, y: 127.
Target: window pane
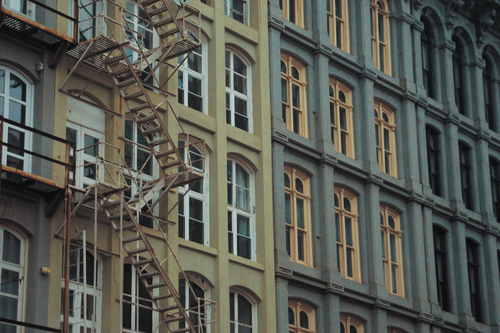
x: 291, y: 11
x: 17, y: 112
x: 16, y: 139
x: 296, y: 121
x: 343, y: 119
x: 300, y: 213
x: 288, y: 209
x: 9, y: 282
x: 337, y: 226
x: 17, y: 88
x: 296, y: 95
x: 304, y: 320
x: 393, y: 248
x: 394, y: 279
x: 349, y: 262
x: 348, y: 231
x: 300, y: 245
x: 194, y: 61
x: 2, y: 81
x: 291, y: 317
x: 383, y: 244
x: 284, y: 91
x: 240, y: 84
x: 90, y: 141
x: 244, y: 311
x: 11, y: 248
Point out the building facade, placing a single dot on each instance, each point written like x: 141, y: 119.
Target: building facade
x: 385, y: 148
x: 219, y: 229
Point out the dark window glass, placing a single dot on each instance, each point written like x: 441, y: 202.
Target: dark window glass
x: 495, y: 186
x: 427, y: 61
x: 433, y: 157
x: 465, y: 175
x: 441, y: 262
x: 474, y: 285
x: 458, y: 77
x: 488, y: 90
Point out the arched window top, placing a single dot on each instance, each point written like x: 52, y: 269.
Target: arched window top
x: 351, y: 324
x: 381, y: 5
x: 301, y: 316
x: 348, y: 199
x: 287, y: 180
x: 299, y: 178
x: 331, y: 92
x: 389, y: 217
x: 387, y: 115
x: 340, y: 90
x: 12, y: 246
x: 290, y: 64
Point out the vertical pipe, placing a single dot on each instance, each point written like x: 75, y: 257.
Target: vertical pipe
x: 69, y: 198
x: 94, y: 277
x: 84, y: 254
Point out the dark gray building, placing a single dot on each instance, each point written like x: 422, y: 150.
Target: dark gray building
x: 386, y: 157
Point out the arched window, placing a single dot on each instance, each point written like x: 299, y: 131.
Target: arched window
x: 298, y: 216
x: 293, y: 11
x: 238, y: 92
x: 243, y: 315
x: 393, y: 330
x: 84, y: 299
x: 293, y: 94
x: 349, y: 324
x: 12, y: 249
x: 391, y: 250
x: 192, y: 296
x: 458, y: 76
x: 16, y: 104
x: 338, y: 23
x: 441, y: 261
x: 474, y: 278
x: 194, y: 205
x: 433, y: 159
x: 489, y: 107
x: 240, y: 210
x: 341, y: 118
x: 346, y: 224
x: 427, y: 64
x: 495, y: 186
x: 301, y: 317
x: 191, y: 80
x: 381, y: 46
x: 465, y: 174
x: 385, y: 132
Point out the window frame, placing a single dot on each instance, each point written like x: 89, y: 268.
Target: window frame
x: 495, y: 185
x: 299, y: 11
x: 377, y: 43
x: 299, y: 307
x: 204, y: 286
x: 488, y: 91
x: 333, y: 20
x: 434, y: 159
x: 187, y: 72
x: 292, y: 230
x: 20, y: 268
x: 474, y: 269
x: 336, y: 104
x: 348, y: 321
x: 440, y: 241
x: 458, y: 76
x: 233, y: 94
x: 203, y: 197
x: 235, y: 211
x: 248, y: 298
x: 428, y: 75
x: 341, y: 213
x: 289, y: 81
x: 28, y: 117
x: 380, y: 126
x: 228, y: 11
x: 466, y: 174
x: 387, y: 232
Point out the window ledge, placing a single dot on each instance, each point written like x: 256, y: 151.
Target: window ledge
x: 198, y: 247
x: 244, y: 138
x: 241, y: 30
x: 246, y: 262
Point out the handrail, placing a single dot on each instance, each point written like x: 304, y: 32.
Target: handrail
x: 34, y: 130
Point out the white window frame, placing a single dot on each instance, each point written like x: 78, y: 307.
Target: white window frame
x: 19, y: 268
x: 134, y: 295
x: 186, y: 72
x: 28, y: 121
x: 79, y: 289
x: 98, y: 25
x: 232, y: 93
x: 193, y: 278
x: 204, y: 197
x: 228, y: 5
x: 235, y: 211
x: 15, y: 5
x: 250, y: 299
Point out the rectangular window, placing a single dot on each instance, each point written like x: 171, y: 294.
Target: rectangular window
x: 465, y: 175
x: 441, y: 263
x: 433, y: 160
x: 474, y: 276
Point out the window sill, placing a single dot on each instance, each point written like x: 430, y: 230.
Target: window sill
x: 244, y: 138
x: 210, y: 251
x: 246, y: 262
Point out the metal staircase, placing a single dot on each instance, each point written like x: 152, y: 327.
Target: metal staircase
x: 109, y: 54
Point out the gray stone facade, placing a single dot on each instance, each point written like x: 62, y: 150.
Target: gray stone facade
x: 475, y: 29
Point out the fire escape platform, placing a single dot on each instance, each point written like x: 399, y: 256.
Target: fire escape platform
x: 98, y: 46
x: 183, y: 178
x: 87, y: 194
x: 21, y: 180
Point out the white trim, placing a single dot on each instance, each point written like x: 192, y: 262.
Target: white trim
x: 246, y: 11
x: 31, y: 10
x: 252, y: 302
x: 203, y: 76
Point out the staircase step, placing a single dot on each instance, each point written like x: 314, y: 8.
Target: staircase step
x: 168, y: 308
x: 157, y: 11
x: 159, y: 142
x: 121, y: 71
x: 171, y: 164
x: 135, y: 251
x: 169, y: 33
x: 132, y: 96
x: 126, y: 83
x: 173, y: 319
x: 126, y: 227
x: 149, y: 274
x: 143, y: 262
x: 145, y: 119
x: 139, y: 107
x: 133, y: 239
x: 117, y: 216
x: 153, y: 130
x: 181, y: 330
x: 165, y: 296
x: 112, y: 60
x: 164, y: 153
x: 156, y: 285
x: 163, y: 22
x: 145, y: 3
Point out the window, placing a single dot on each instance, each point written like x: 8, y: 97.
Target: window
x: 141, y: 35
x: 338, y: 23
x: 194, y: 206
x: 458, y: 76
x: 385, y: 130
x: 11, y: 277
x: 341, y: 118
x: 474, y: 285
x: 293, y: 11
x: 15, y: 104
x: 433, y: 159
x: 241, y: 315
x: 346, y: 225
x: 237, y: 9
x: 24, y: 7
x: 189, y: 300
x: 241, y: 211
x: 379, y: 13
x: 143, y: 166
x: 238, y: 92
x: 84, y: 300
x: 293, y: 95
x: 465, y: 175
x: 298, y: 216
x: 441, y: 261
x: 391, y: 250
x: 349, y: 324
x: 498, y: 259
x: 488, y: 93
x: 136, y: 315
x: 191, y: 79
x: 301, y: 317
x: 89, y: 25
x: 495, y: 186
x: 427, y: 67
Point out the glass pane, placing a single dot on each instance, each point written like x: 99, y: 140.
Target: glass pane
x: 196, y: 231
x: 17, y: 112
x: 93, y: 150
x: 17, y: 88
x: 383, y: 243
x: 381, y: 27
x: 296, y: 95
x: 347, y: 204
x: 2, y: 81
x: 392, y: 223
x: 394, y: 279
x: 11, y: 248
x: 287, y: 181
x: 337, y: 226
x: 299, y: 186
x: 242, y: 198
x: 9, y: 282
x: 300, y: 213
x: 349, y: 262
x: 16, y: 139
x: 304, y: 320
x: 296, y: 121
x: 343, y: 118
x: 283, y: 67
x: 240, y: 84
x: 243, y: 225
x: 284, y: 91
x: 338, y: 8
x: 288, y: 209
x: 348, y: 231
x: 8, y: 309
x: 230, y: 234
x: 336, y: 200
x: 393, y: 248
x: 242, y: 177
x: 291, y: 317
x: 194, y: 61
x: 300, y: 245
x: 244, y: 311
x: 387, y: 142
x: 295, y: 73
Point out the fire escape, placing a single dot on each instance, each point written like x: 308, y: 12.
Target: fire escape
x: 110, y: 51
